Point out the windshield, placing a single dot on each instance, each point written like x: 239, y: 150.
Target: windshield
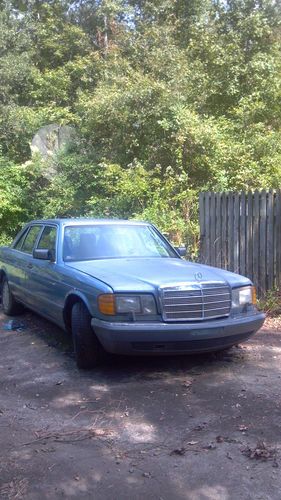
x: 104, y: 241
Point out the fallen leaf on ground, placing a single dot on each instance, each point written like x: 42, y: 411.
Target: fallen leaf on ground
x: 198, y: 428
x: 260, y: 452
x: 243, y: 427
x: 187, y: 383
x: 178, y: 451
x: 219, y: 439
x: 146, y: 474
x: 209, y: 446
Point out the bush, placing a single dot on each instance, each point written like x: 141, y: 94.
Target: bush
x: 271, y: 302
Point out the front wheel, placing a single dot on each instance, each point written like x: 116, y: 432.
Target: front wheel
x: 88, y: 351
x: 10, y: 305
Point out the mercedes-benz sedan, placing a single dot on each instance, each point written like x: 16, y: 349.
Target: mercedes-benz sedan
x: 120, y: 286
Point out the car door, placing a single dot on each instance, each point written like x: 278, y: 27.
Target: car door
x: 44, y: 279
x: 25, y: 258
x: 15, y: 266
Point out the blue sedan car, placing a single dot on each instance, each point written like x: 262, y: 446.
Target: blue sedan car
x: 119, y: 286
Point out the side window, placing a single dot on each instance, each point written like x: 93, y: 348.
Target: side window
x: 18, y: 244
x: 30, y: 239
x: 48, y: 239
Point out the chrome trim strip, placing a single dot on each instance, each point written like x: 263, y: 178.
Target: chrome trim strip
x: 186, y: 284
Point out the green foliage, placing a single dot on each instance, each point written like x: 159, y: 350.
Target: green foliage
x: 17, y: 186
x: 271, y: 302
x: 168, y: 98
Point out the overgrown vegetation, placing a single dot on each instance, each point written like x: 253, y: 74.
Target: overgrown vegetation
x: 270, y: 302
x: 169, y: 97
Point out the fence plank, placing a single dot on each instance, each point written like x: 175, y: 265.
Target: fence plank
x: 213, y: 229
x: 207, y: 228
x: 270, y: 239
x: 278, y: 238
x: 275, y: 229
x: 262, y: 241
x: 218, y: 242
x: 224, y: 230
x: 249, y: 244
x: 202, y: 199
x: 230, y: 232
x: 256, y: 220
x: 236, y: 235
x: 242, y: 246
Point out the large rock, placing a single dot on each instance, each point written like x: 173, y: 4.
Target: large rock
x: 48, y: 141
x: 51, y: 138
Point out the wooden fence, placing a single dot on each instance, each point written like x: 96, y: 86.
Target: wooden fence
x: 241, y: 232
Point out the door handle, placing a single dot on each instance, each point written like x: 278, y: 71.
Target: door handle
x: 30, y: 266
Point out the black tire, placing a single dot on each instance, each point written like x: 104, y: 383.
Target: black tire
x: 88, y: 351
x: 9, y: 304
x: 225, y: 349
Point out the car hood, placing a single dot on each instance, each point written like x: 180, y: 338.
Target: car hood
x: 146, y: 274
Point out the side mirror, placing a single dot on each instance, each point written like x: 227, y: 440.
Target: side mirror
x: 42, y: 254
x: 181, y: 251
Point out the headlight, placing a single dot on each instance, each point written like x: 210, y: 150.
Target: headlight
x: 128, y: 303
x: 138, y: 304
x: 112, y: 304
x: 243, y: 296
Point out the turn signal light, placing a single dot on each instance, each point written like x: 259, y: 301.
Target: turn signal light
x: 254, y: 296
x: 106, y: 303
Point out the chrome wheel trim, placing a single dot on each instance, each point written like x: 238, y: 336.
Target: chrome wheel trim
x: 5, y: 295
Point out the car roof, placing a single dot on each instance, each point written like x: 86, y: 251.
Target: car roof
x: 86, y: 221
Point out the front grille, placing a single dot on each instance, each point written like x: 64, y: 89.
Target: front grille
x: 195, y: 302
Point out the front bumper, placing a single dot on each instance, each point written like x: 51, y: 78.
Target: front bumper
x: 175, y: 338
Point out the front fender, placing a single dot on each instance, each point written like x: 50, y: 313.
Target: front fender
x: 71, y: 298
x: 78, y: 294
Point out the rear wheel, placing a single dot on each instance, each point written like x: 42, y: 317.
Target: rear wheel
x: 88, y: 351
x: 10, y: 305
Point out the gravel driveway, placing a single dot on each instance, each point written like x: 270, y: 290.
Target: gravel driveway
x: 204, y: 427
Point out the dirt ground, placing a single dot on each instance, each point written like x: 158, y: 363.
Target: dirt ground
x: 197, y: 428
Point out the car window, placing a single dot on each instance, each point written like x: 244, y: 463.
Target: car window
x: 30, y: 239
x: 18, y: 244
x: 113, y: 241
x: 48, y: 239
